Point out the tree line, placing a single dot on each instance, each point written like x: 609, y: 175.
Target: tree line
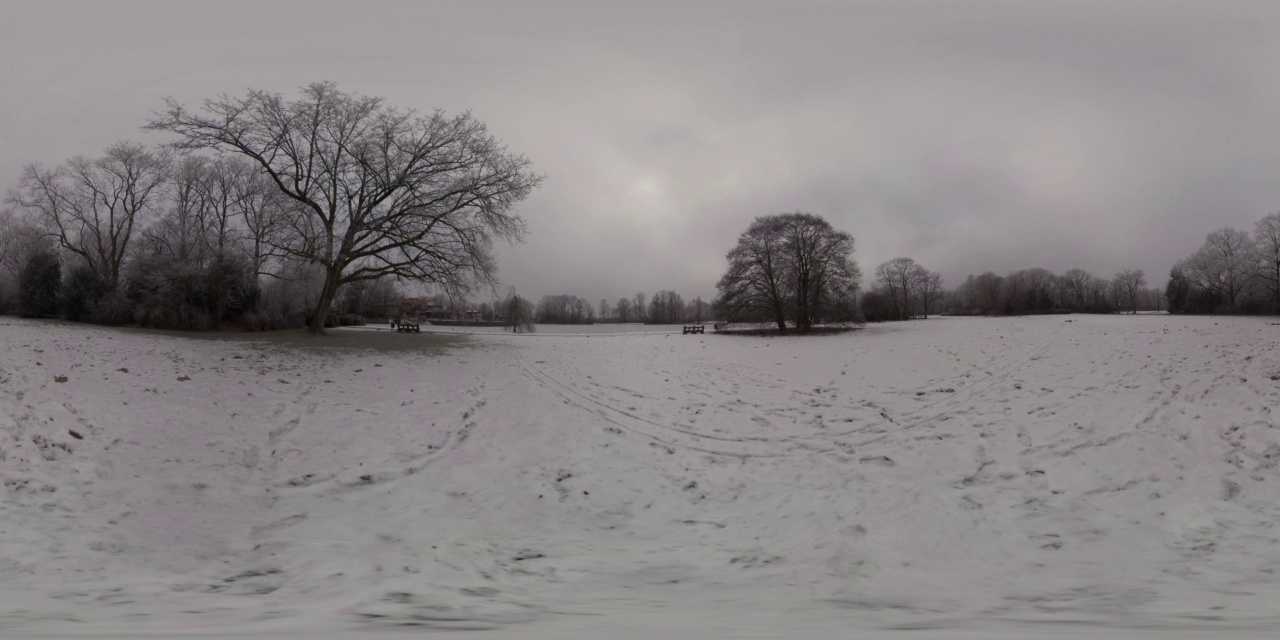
x: 1233, y: 271
x: 263, y: 211
x: 665, y: 307
x: 1037, y: 291
x: 267, y: 212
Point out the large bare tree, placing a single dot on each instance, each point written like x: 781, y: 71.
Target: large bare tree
x: 1266, y: 238
x: 1223, y: 266
x: 93, y: 206
x: 381, y: 191
x: 624, y: 309
x: 1129, y: 287
x: 790, y: 266
x: 1074, y: 288
x: 901, y: 279
x: 930, y: 292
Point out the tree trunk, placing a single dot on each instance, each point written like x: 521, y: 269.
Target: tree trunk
x: 326, y: 300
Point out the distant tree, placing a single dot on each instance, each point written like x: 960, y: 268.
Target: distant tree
x: 791, y: 266
x: 1266, y: 238
x: 517, y: 314
x: 81, y: 293
x: 987, y: 289
x: 623, y: 309
x: 909, y: 289
x: 878, y: 306
x: 697, y: 310
x: 900, y: 280
x: 1099, y: 295
x: 94, y: 206
x: 638, y: 308
x: 604, y: 310
x: 1129, y: 287
x: 39, y: 285
x: 18, y: 242
x: 1178, y: 290
x: 564, y: 309
x: 1038, y: 290
x: 380, y: 191
x: 1223, y: 266
x: 667, y: 307
x: 1151, y: 299
x: 369, y: 298
x: 930, y: 292
x: 265, y: 213
x: 1074, y: 285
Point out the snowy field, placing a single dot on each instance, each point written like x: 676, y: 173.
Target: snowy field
x: 1085, y: 476
x: 603, y: 329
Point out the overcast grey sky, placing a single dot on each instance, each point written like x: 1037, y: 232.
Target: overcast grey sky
x: 971, y: 136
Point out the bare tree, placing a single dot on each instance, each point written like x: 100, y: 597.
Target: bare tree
x: 667, y: 307
x: 624, y: 309
x: 19, y: 241
x: 1099, y: 295
x: 382, y: 191
x: 1074, y: 286
x: 177, y: 231
x: 987, y: 291
x: 604, y: 310
x: 930, y: 292
x: 909, y: 289
x: 93, y: 206
x: 638, y: 308
x: 263, y: 212
x: 899, y: 279
x: 517, y: 314
x: 1129, y: 287
x: 697, y: 311
x: 790, y: 266
x: 1266, y: 238
x: 564, y: 309
x: 1223, y: 266
x: 756, y: 285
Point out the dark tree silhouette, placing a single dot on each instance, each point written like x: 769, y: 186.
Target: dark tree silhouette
x: 790, y: 267
x: 39, y: 285
x: 380, y: 191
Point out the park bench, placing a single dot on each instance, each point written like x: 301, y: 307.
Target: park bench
x: 406, y: 327
x: 694, y: 328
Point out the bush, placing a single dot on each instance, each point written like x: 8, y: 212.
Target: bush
x: 350, y: 320
x: 876, y: 306
x: 268, y: 321
x: 172, y: 294
x: 83, y: 290
x: 112, y: 310
x: 39, y: 285
x: 330, y: 319
x: 181, y: 319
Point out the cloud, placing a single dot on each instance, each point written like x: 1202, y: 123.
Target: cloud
x: 970, y: 136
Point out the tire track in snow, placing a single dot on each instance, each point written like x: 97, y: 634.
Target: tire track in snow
x: 577, y: 399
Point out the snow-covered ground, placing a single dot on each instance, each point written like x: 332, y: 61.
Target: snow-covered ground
x: 972, y: 477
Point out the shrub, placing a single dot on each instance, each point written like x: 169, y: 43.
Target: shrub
x: 83, y: 290
x: 350, y: 320
x: 114, y: 309
x: 39, y: 285
x: 269, y: 321
x: 330, y: 319
x: 876, y: 306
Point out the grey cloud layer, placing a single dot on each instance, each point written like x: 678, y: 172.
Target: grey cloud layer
x: 971, y: 136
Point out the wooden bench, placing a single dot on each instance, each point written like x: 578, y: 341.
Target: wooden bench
x: 694, y: 328
x: 406, y: 327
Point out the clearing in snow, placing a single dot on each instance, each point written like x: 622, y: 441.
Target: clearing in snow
x: 966, y: 475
